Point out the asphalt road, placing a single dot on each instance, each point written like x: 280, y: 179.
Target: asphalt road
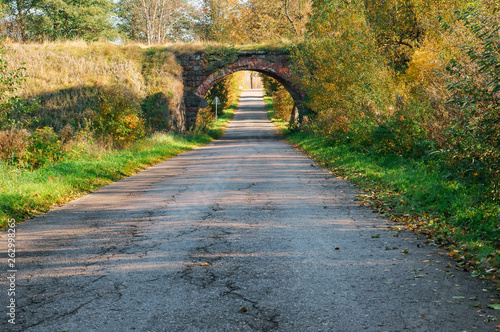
x: 244, y: 234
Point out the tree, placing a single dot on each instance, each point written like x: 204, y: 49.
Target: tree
x: 252, y: 21
x: 13, y: 108
x: 219, y: 21
x: 339, y: 68
x: 156, y: 21
x: 397, y: 29
x: 87, y: 19
x: 16, y: 18
x: 60, y: 19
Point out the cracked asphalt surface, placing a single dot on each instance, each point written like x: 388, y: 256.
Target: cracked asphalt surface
x: 244, y: 234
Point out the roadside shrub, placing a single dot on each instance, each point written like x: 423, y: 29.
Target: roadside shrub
x: 204, y: 119
x: 44, y: 148
x: 82, y: 145
x: 118, y: 120
x: 474, y: 84
x: 156, y: 111
x: 283, y: 103
x: 403, y: 132
x: 13, y: 145
x: 67, y: 133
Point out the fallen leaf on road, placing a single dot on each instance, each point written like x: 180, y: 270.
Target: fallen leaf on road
x: 204, y: 264
x: 375, y: 236
x: 494, y: 306
x: 244, y: 309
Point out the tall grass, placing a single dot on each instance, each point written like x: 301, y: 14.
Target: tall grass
x: 62, y: 65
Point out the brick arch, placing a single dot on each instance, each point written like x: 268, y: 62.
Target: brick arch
x: 274, y: 69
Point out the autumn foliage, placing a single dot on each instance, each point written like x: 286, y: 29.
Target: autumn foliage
x: 412, y: 78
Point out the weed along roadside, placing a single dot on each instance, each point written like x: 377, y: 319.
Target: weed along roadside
x: 417, y: 196
x: 26, y: 192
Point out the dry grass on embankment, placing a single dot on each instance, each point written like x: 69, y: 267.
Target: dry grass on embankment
x: 70, y: 78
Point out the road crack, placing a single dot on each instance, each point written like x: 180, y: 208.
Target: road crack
x: 56, y: 317
x: 267, y: 321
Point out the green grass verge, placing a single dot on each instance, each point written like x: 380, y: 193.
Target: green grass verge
x: 25, y: 193
x: 418, y: 193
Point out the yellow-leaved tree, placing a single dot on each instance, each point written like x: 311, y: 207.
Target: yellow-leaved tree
x: 346, y: 81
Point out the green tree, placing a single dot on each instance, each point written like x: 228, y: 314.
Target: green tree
x: 60, y: 19
x: 156, y: 21
x: 87, y: 19
x: 17, y: 17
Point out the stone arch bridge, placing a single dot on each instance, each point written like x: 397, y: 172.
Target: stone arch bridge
x: 201, y: 72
